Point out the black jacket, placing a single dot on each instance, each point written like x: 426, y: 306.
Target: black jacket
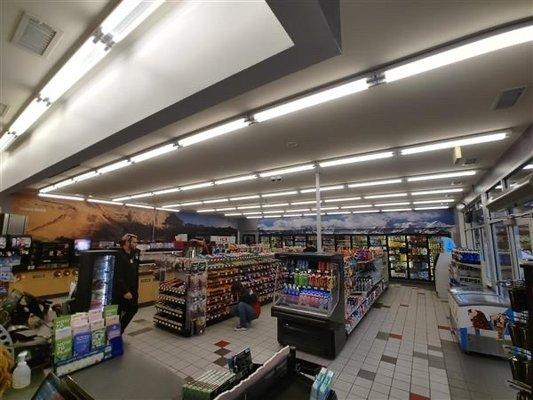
x: 126, y: 277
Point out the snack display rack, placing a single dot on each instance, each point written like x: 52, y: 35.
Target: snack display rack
x: 466, y: 269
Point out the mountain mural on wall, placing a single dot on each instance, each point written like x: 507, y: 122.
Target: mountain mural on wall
x: 429, y: 221
x: 53, y: 219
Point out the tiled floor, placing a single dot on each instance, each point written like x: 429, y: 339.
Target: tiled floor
x: 403, y: 349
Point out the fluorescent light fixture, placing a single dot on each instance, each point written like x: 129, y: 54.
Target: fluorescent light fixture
x: 313, y: 214
x: 214, y: 132
x: 139, y: 206
x: 225, y: 209
x: 254, y: 217
x: 325, y: 208
x: 172, y: 205
x: 166, y: 191
x: 342, y: 199
x: 251, y: 213
x: 401, y: 203
x: 81, y: 62
x: 434, y: 201
x: 437, y: 191
x: 356, y: 206
x: 498, y: 187
x: 338, y: 212
x: 395, y: 209
x: 232, y: 214
x: 103, y: 202
x: 253, y: 196
x: 206, y: 210
x: 236, y: 179
x: 28, y: 117
x: 62, y: 197
x: 167, y: 209
x: 278, y: 194
x: 272, y: 216
x: 122, y: 198
x: 215, y: 201
x: 291, y: 215
x: 529, y: 166
x: 299, y: 203
x: 323, y: 189
x: 450, y: 144
x: 431, y: 208
x: 47, y: 189
x: 114, y: 166
x: 197, y: 186
x: 460, y: 53
x: 153, y: 153
x: 189, y: 203
x: 6, y: 140
x: 64, y: 183
x: 312, y: 100
x: 273, y: 212
x: 142, y: 195
x: 275, y: 205
x: 126, y: 16
x: 365, y: 211
x: 248, y: 207
x: 441, y: 176
x: 375, y: 183
x: 85, y: 176
x: 289, y: 170
x: 384, y: 196
x: 356, y: 159
x: 295, y: 210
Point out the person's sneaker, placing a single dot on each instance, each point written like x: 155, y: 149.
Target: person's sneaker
x: 240, y: 328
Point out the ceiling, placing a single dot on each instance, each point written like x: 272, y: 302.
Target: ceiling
x: 448, y: 102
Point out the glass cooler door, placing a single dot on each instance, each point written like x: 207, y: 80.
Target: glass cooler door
x: 102, y: 281
x: 397, y: 256
x: 418, y: 255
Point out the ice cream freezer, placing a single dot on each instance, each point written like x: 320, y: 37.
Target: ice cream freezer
x: 480, y: 320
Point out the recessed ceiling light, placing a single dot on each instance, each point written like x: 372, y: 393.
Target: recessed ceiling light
x: 288, y: 170
x: 141, y: 195
x: 441, y: 176
x: 384, y: 196
x: 292, y: 215
x: 375, y: 183
x: 254, y: 217
x: 251, y: 213
x: 356, y: 159
x: 122, y: 198
x: 232, y: 214
x: 296, y: 210
x: 272, y: 216
x: 214, y: 132
x: 449, y: 144
x: 313, y: 214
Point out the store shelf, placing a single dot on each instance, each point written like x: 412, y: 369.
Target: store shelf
x: 466, y: 264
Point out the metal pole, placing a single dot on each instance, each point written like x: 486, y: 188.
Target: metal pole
x: 318, y: 213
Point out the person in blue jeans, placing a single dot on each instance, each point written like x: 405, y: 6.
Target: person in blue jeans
x: 245, y: 307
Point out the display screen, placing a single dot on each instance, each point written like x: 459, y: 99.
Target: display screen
x: 3, y: 242
x: 20, y: 242
x: 82, y: 244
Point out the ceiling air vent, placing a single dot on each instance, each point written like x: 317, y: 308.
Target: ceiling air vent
x: 508, y: 98
x: 35, y: 36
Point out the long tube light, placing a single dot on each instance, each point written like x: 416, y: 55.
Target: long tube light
x: 6, y: 140
x: 312, y: 100
x: 214, y: 201
x: 357, y: 159
x: 449, y: 144
x: 174, y: 205
x: 437, y: 191
x: 323, y: 189
x: 85, y: 176
x: 253, y: 196
x: 214, y: 132
x: 275, y: 205
x: 384, y: 196
x: 356, y: 206
x: 64, y: 183
x: 28, y: 117
x: 296, y: 210
x: 232, y: 214
x: 325, y: 208
x: 375, y: 183
x: 197, y: 186
x: 226, y: 209
x: 396, y: 209
x: 189, y: 203
x: 460, y: 53
x: 441, y: 176
x: 431, y: 208
x: 99, y: 201
x: 401, y: 203
x: 291, y: 215
x: 529, y: 166
x: 251, y: 213
x: 122, y: 198
x: 278, y: 194
x: 166, y: 191
x: 289, y: 170
x: 434, y: 201
x: 154, y: 153
x: 338, y: 212
x: 273, y: 212
x: 248, y: 207
x: 62, y: 197
x: 47, y: 189
x: 236, y: 179
x: 168, y: 209
x: 142, y: 195
x: 365, y: 211
x: 300, y: 203
x: 206, y: 210
x: 254, y: 217
x: 114, y: 166
x: 342, y: 199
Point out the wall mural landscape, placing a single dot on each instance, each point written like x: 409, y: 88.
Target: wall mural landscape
x: 51, y: 219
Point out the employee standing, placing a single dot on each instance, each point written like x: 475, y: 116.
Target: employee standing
x: 126, y: 281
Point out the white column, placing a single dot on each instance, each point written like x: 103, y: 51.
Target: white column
x: 318, y: 213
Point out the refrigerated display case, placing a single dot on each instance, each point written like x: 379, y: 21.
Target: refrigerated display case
x: 397, y: 254
x: 359, y: 241
x: 311, y: 241
x: 95, y: 280
x: 418, y: 257
x: 300, y: 240
x: 343, y: 242
x: 435, y: 248
x: 377, y: 240
x: 276, y: 241
x: 309, y: 305
x: 264, y: 240
x: 328, y: 243
x: 288, y: 240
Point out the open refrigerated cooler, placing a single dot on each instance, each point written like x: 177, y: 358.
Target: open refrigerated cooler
x: 418, y: 258
x: 397, y: 255
x: 95, y: 280
x: 310, y: 303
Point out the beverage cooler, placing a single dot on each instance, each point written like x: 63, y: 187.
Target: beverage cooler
x: 95, y: 280
x: 328, y: 243
x: 397, y: 255
x: 343, y: 242
x: 359, y: 241
x: 310, y: 304
x: 418, y: 257
x: 377, y: 241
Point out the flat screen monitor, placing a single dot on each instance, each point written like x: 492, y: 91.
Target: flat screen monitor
x: 20, y: 242
x: 82, y: 244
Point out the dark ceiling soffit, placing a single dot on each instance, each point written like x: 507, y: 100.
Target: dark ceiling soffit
x: 519, y: 153
x: 314, y: 28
